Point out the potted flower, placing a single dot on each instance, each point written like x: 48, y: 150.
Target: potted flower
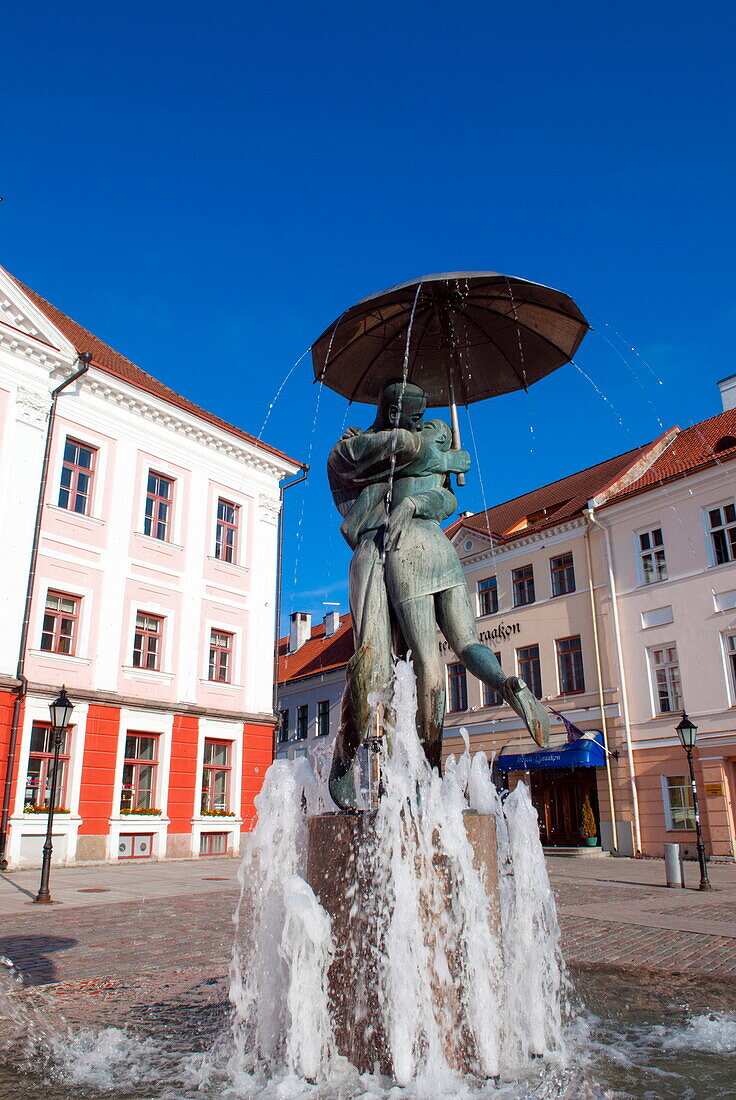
x: 588, y: 827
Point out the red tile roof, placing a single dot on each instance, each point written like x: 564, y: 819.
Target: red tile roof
x: 318, y: 654
x: 551, y: 504
x: 690, y: 450
x: 112, y: 362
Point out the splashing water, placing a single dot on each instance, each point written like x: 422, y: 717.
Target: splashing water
x: 462, y: 958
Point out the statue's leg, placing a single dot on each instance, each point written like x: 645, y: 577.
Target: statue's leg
x: 369, y: 669
x: 416, y: 618
x: 457, y: 622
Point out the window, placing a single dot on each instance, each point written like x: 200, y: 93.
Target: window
x: 492, y: 698
x: 160, y: 493
x: 529, y: 668
x: 570, y: 665
x: 723, y: 533
x: 458, y: 682
x: 216, y: 776
x: 226, y: 532
x: 213, y: 844
x: 679, y: 808
x: 563, y: 574
x: 666, y: 675
x: 147, y: 641
x: 731, y: 659
x: 284, y: 726
x: 523, y: 585
x: 77, y: 473
x: 302, y: 719
x: 139, y: 772
x: 135, y: 845
x: 221, y: 652
x: 488, y: 596
x: 41, y: 767
x: 652, y: 564
x: 323, y: 717
x: 59, y: 634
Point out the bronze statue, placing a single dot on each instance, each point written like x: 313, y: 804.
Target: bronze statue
x: 391, y: 485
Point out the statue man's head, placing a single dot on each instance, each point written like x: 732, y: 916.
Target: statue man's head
x: 401, y: 405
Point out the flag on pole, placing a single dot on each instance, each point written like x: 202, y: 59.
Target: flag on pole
x: 573, y: 733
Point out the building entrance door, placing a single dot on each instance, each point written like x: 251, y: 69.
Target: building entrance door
x: 558, y: 795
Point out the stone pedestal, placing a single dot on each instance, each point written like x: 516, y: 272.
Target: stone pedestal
x: 339, y: 871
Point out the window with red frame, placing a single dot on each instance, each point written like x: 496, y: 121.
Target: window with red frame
x: 77, y: 475
x: 221, y: 656
x: 139, y: 772
x: 148, y: 641
x: 530, y: 669
x: 570, y: 665
x: 458, y: 683
x: 226, y: 533
x: 60, y: 623
x: 159, y: 498
x: 41, y: 766
x: 216, y: 776
x: 491, y: 697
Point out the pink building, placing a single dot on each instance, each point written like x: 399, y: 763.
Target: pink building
x: 147, y: 588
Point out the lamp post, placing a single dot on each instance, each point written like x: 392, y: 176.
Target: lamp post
x: 686, y: 731
x: 61, y: 713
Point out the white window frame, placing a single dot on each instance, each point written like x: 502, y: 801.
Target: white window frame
x: 728, y: 643
x: 653, y: 667
x: 641, y: 553
x: 667, y: 805
x: 709, y: 531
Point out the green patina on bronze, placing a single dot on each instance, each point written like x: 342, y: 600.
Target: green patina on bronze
x: 391, y: 485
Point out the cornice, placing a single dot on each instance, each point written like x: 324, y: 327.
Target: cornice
x: 26, y: 347
x: 104, y: 386
x: 498, y: 551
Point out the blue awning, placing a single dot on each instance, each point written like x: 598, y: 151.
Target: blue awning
x: 587, y: 752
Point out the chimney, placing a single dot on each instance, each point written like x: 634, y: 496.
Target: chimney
x: 301, y: 630
x: 464, y: 515
x: 727, y: 386
x: 332, y: 623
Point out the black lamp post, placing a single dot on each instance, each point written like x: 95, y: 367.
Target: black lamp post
x: 61, y: 713
x: 686, y: 731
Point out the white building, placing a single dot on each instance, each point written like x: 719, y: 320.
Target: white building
x: 147, y: 588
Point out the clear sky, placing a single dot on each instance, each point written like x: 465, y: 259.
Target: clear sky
x: 208, y: 185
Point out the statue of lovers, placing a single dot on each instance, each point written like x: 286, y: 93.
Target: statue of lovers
x: 391, y: 485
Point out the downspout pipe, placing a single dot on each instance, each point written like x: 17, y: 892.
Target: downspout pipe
x: 590, y: 516
x: 84, y: 359
x: 279, y: 586
x: 601, y: 696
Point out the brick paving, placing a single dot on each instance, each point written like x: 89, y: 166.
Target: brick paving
x: 166, y: 930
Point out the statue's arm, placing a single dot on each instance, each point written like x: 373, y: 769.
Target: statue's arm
x: 367, y: 457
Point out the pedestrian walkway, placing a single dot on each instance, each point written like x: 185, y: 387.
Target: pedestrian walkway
x: 115, y: 924
x: 620, y: 913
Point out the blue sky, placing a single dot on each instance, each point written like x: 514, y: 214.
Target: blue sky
x: 207, y: 186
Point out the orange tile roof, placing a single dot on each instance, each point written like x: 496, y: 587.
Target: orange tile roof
x: 551, y: 504
x: 318, y: 654
x: 112, y: 362
x: 691, y: 449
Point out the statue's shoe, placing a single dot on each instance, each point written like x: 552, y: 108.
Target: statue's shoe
x: 529, y: 709
x: 342, y: 786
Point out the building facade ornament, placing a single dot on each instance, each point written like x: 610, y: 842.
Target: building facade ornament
x: 32, y: 407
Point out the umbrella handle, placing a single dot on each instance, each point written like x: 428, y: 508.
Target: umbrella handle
x: 456, y: 438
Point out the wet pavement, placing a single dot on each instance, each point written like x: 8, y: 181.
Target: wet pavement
x: 121, y: 932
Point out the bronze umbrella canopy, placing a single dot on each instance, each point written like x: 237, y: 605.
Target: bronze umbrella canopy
x: 462, y: 336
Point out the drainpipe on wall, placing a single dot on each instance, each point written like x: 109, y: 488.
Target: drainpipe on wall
x: 590, y: 516
x: 601, y: 698
x: 20, y: 692
x: 279, y: 557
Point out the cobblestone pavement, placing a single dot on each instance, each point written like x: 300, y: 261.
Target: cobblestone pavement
x: 132, y: 934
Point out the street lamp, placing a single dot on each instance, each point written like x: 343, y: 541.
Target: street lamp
x: 61, y: 713
x: 686, y: 731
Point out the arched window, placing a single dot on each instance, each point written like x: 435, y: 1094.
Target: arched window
x: 725, y: 443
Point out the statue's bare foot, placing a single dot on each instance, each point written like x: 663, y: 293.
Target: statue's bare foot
x: 342, y: 786
x: 528, y: 707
